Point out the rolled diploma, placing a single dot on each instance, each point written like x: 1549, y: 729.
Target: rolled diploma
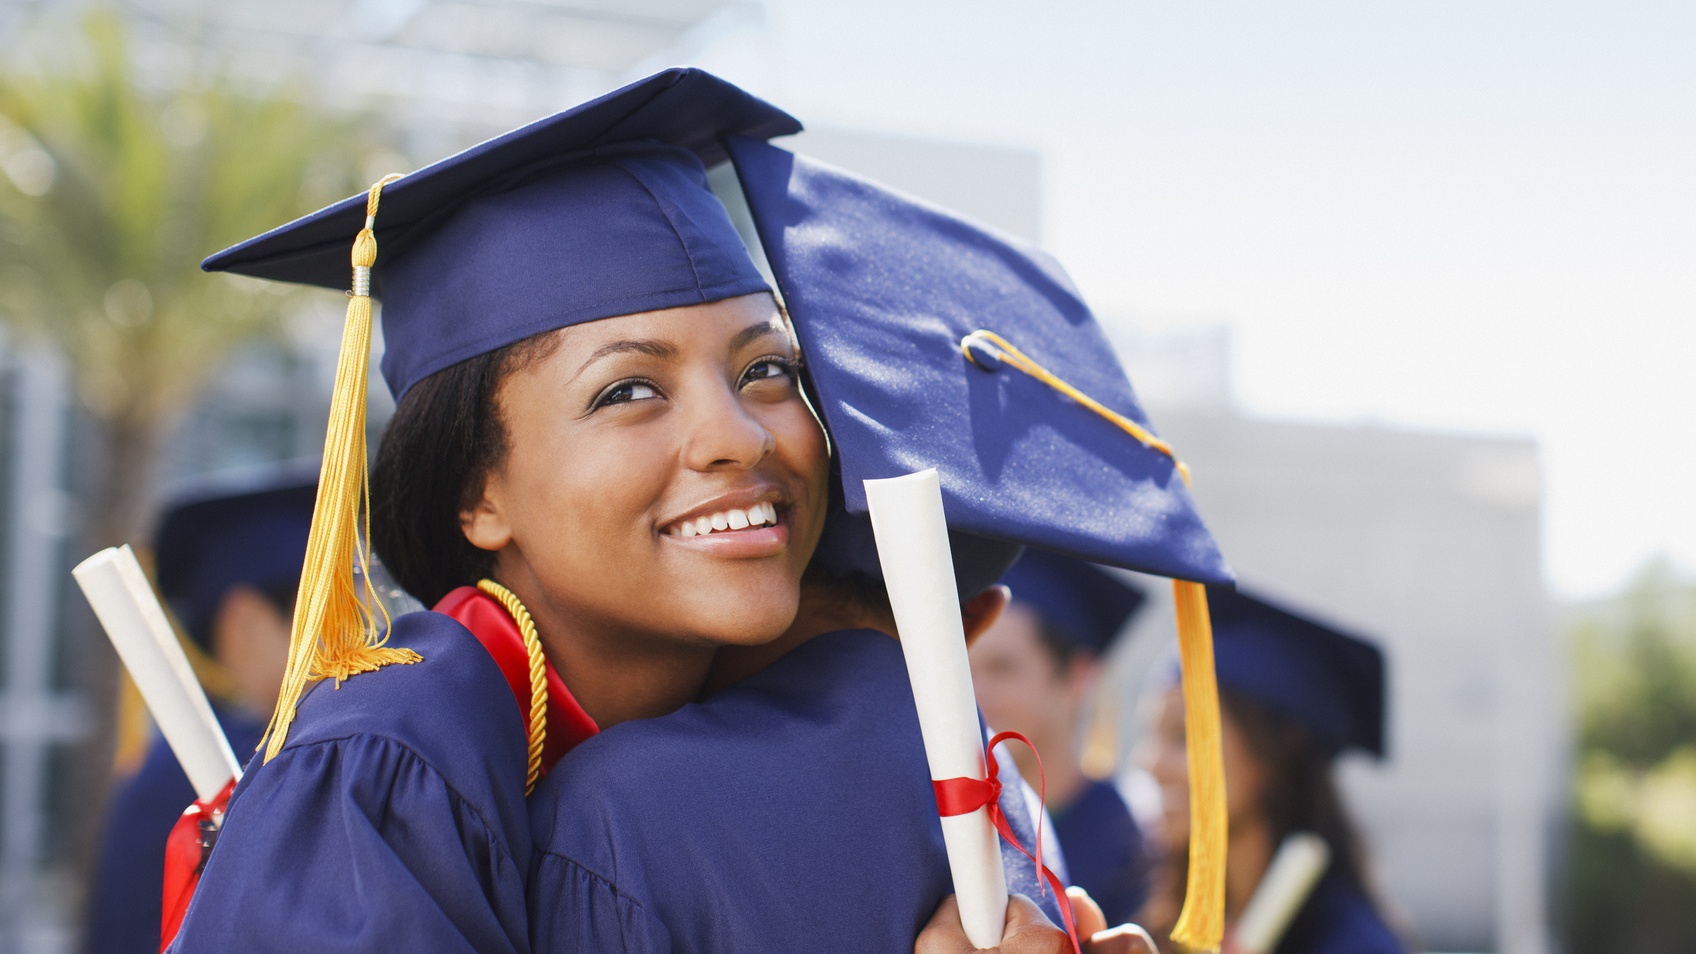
x: 918, y: 569
x: 123, y: 600
x: 1289, y: 879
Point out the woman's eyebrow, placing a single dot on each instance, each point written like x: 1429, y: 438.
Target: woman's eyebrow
x: 647, y: 346
x: 753, y: 333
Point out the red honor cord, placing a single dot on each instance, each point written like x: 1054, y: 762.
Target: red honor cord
x: 186, y: 850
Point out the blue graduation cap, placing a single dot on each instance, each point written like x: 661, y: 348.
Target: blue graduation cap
x: 232, y: 529
x: 1329, y: 681
x: 937, y: 343
x: 597, y: 211
x: 1077, y: 601
x: 884, y: 289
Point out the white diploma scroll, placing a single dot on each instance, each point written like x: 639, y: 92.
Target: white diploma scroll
x: 1289, y: 879
x: 123, y: 599
x: 918, y: 569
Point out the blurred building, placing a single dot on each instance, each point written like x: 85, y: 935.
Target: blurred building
x: 1431, y: 545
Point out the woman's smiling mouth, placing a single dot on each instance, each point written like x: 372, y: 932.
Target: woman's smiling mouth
x: 758, y: 515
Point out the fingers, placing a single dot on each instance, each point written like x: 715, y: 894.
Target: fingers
x: 943, y: 934
x: 1028, y: 931
x: 1086, y: 912
x: 1124, y: 939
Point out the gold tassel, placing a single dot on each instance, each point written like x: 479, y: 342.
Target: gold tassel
x: 1201, y: 923
x: 335, y: 632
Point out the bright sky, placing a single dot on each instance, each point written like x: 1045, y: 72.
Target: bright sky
x: 1458, y: 214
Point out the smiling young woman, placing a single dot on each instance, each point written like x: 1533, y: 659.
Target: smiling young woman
x: 592, y: 458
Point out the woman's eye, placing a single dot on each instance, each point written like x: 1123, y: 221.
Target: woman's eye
x: 768, y: 368
x: 625, y: 392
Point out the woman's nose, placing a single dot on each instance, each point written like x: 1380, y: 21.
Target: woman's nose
x: 723, y: 435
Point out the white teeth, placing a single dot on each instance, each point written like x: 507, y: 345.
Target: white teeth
x: 760, y: 514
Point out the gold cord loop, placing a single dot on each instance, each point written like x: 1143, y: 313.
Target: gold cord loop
x: 1005, y: 352
x: 538, y: 676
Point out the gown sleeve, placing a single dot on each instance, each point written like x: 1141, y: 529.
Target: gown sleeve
x: 576, y: 911
x: 377, y: 852
x: 393, y: 820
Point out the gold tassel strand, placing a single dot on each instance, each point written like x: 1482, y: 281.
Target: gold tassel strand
x: 538, y: 729
x: 335, y: 631
x: 1201, y: 923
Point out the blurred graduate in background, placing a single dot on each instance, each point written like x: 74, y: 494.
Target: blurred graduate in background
x: 227, y: 558
x: 1035, y: 671
x: 1294, y: 695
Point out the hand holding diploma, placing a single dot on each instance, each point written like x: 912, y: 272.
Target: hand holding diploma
x: 1029, y: 932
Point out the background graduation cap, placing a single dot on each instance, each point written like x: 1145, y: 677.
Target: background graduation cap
x: 1325, y: 679
x: 937, y: 343
x: 246, y: 528
x: 1078, y: 602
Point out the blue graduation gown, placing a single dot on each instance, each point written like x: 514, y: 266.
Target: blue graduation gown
x: 1339, y: 918
x: 1104, y: 851
x: 393, y: 820
x: 129, y: 881
x: 791, y: 812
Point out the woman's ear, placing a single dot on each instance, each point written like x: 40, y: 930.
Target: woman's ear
x: 981, y: 611
x: 483, y: 519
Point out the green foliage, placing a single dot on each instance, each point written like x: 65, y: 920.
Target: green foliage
x: 111, y: 194
x: 1632, y: 870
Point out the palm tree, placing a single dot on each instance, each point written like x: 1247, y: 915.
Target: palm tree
x: 109, y: 195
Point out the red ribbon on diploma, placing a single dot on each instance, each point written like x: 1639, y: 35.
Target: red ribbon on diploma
x: 962, y: 796
x: 186, y: 851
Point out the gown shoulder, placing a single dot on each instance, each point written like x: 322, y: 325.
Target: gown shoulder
x: 393, y: 818
x: 792, y: 811
x: 1339, y: 918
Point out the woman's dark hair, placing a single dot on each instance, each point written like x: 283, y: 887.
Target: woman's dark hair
x: 1300, y: 795
x: 446, y: 435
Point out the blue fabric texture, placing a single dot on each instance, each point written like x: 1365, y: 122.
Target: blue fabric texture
x: 129, y: 880
x: 393, y: 820
x: 598, y: 211
x: 1339, y: 918
x: 1329, y: 681
x: 791, y: 812
x: 882, y: 289
x: 1105, y: 851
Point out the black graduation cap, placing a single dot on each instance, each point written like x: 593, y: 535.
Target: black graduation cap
x: 247, y: 527
x: 1326, y: 679
x: 1077, y: 601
